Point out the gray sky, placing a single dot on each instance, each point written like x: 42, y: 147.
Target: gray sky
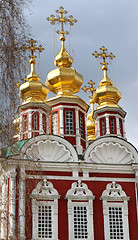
x: 112, y: 23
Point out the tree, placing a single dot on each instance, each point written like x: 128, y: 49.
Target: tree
x: 13, y: 32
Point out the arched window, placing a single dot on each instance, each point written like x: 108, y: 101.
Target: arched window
x: 45, y: 211
x: 102, y: 126
x: 80, y: 212
x: 115, y: 211
x: 35, y: 120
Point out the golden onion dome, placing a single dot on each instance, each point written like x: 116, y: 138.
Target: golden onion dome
x: 64, y: 80
x: 33, y: 90
x: 106, y: 95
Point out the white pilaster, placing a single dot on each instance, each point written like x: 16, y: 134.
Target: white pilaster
x: 41, y: 131
x: 3, y: 209
x: 12, y: 202
x: 22, y: 204
x: 107, y: 125
x: 124, y: 132
x: 61, y: 122
x: 21, y: 127
x: 118, y: 127
x: 29, y: 124
x: 78, y: 137
x: 97, y: 124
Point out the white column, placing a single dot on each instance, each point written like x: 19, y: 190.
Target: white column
x: 61, y: 120
x: 41, y: 131
x: 118, y: 127
x: 107, y: 125
x: 29, y: 124
x: 78, y: 136
x: 12, y: 202
x: 22, y: 204
x: 47, y: 124
x: 97, y: 124
x: 3, y: 209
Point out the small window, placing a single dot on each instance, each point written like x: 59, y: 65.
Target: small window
x: 35, y: 121
x: 102, y: 126
x: 112, y: 125
x: 69, y: 122
x: 80, y: 222
x: 44, y: 222
x: 116, y: 223
x: 44, y: 122
x: 25, y: 123
x: 81, y: 126
x: 55, y: 123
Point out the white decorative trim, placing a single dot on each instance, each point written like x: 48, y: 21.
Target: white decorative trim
x: 22, y: 177
x: 112, y: 150
x: 83, y: 198
x: 3, y: 208
x: 115, y: 197
x: 12, y: 201
x: 49, y: 148
x: 45, y: 195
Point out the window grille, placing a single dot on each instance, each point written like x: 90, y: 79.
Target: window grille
x: 80, y: 222
x: 69, y: 122
x: 55, y: 123
x: 112, y: 125
x: 116, y: 223
x: 81, y: 125
x: 103, y: 126
x: 44, y: 222
x: 35, y: 121
x: 121, y: 127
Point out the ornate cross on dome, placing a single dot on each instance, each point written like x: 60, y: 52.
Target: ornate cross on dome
x: 32, y: 47
x: 91, y: 89
x: 62, y: 19
x: 103, y: 55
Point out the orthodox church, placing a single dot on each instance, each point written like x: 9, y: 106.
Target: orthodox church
x: 66, y: 177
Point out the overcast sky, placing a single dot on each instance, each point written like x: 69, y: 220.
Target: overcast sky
x: 112, y: 23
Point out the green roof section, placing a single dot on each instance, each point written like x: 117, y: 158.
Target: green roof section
x: 15, y: 148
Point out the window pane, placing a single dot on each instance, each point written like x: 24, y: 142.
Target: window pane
x: 116, y: 223
x: 69, y: 122
x: 80, y: 223
x: 35, y: 121
x: 81, y: 125
x: 103, y: 127
x: 112, y: 125
x: 44, y: 222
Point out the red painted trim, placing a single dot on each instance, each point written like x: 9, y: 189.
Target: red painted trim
x: 121, y: 127
x: 114, y: 175
x: 25, y: 128
x: 101, y: 132
x: 83, y: 119
x: 37, y: 113
x: 109, y: 112
x: 68, y: 104
x: 74, y: 120
x: 29, y: 108
x: 50, y: 173
x: 115, y: 130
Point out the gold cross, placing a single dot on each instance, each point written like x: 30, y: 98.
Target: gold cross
x: 103, y: 55
x: 62, y: 19
x: 91, y: 89
x: 32, y: 47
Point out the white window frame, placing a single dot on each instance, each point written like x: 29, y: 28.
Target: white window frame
x: 80, y: 195
x: 114, y: 196
x: 45, y: 194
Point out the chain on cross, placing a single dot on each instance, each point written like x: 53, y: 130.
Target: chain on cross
x: 62, y: 19
x: 32, y: 47
x: 91, y: 89
x: 103, y: 55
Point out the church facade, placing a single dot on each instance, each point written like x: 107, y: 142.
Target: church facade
x: 66, y: 177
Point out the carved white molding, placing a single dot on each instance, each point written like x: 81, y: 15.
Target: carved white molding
x: 45, y: 190
x: 79, y: 191
x: 49, y: 148
x: 115, y: 197
x: 111, y: 151
x: 83, y: 198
